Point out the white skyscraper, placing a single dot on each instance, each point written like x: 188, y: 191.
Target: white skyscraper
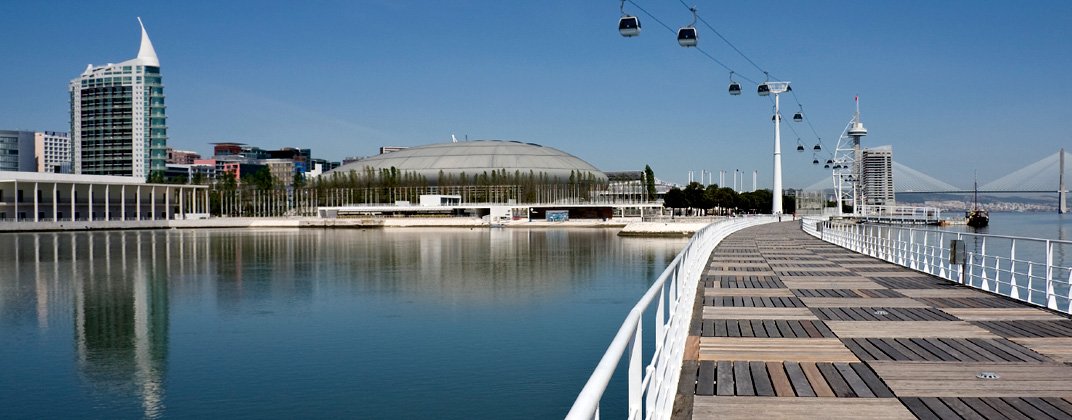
x: 118, y: 125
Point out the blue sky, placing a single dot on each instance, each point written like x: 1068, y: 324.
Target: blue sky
x: 954, y: 86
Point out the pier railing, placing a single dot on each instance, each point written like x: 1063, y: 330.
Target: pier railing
x: 1031, y: 270
x: 652, y: 387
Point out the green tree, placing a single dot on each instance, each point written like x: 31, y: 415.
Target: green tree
x: 155, y: 177
x: 694, y: 193
x: 649, y: 182
x: 261, y: 179
x: 675, y: 199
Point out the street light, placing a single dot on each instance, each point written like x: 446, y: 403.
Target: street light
x: 776, y: 88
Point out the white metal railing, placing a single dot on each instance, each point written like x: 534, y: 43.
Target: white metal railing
x: 1032, y: 270
x: 652, y: 389
x: 902, y: 214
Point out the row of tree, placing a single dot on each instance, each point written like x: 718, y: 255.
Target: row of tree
x: 696, y: 199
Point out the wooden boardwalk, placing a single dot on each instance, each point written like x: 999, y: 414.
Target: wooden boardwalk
x: 788, y: 326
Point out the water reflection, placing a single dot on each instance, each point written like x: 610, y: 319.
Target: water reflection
x: 113, y: 299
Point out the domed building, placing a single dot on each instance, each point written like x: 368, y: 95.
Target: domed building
x: 461, y: 161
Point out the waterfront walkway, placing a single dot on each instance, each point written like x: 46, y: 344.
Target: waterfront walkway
x: 788, y: 326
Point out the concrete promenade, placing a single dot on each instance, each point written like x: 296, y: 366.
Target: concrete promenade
x: 788, y: 326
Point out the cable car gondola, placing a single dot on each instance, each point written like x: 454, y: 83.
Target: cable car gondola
x: 800, y: 145
x: 815, y: 162
x: 798, y: 117
x: 763, y: 89
x: 629, y: 26
x: 817, y: 147
x: 686, y: 36
x: 735, y: 88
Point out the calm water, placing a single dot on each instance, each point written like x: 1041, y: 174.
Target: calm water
x: 506, y: 323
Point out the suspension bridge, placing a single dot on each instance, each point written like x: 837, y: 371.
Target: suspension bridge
x: 1042, y: 176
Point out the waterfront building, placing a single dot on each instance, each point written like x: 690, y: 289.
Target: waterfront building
x: 877, y: 176
x: 282, y: 170
x: 52, y: 151
x: 17, y: 151
x: 118, y: 122
x: 463, y: 162
x: 53, y: 197
x: 182, y: 157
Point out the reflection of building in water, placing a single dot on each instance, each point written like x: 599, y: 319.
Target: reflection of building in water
x: 121, y: 320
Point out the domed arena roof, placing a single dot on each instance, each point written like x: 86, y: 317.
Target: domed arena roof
x: 476, y: 157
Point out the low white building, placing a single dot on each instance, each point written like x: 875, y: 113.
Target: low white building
x: 52, y: 197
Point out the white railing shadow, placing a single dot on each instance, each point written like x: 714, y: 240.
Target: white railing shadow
x: 652, y: 388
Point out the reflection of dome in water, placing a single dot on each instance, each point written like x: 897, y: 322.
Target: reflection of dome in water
x: 475, y: 158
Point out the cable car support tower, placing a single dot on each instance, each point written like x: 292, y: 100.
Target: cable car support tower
x: 847, y: 168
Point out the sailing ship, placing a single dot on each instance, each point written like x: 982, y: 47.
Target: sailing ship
x: 977, y: 217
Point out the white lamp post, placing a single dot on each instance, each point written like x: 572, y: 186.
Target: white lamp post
x: 776, y: 88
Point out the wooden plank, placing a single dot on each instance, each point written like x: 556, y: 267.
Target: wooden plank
x: 854, y: 345
x: 933, y: 349
x: 760, y: 379
x: 1005, y: 409
x: 799, y: 408
x: 939, y: 379
x: 724, y: 378
x: 779, y: 380
x: 775, y: 349
x: 1060, y: 404
x: 809, y: 328
x: 907, y: 329
x: 710, y: 312
x: 746, y: 328
x: 943, y: 293
x: 799, y: 380
x: 705, y: 378
x: 756, y: 326
x: 816, y: 380
x: 824, y: 302
x: 962, y: 409
x: 1027, y: 409
x: 859, y: 387
x: 1002, y: 314
x: 919, y: 409
x: 772, y: 329
x: 938, y: 408
x: 887, y: 349
x: 914, y: 348
x: 951, y: 350
x: 742, y: 379
x: 873, y: 382
x: 1056, y: 348
x: 748, y: 292
x: 982, y: 408
x: 837, y: 383
x: 692, y: 347
x: 830, y: 283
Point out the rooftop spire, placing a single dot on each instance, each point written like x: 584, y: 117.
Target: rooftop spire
x: 146, y: 53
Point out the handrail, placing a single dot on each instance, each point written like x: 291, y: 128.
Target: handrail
x: 1021, y: 268
x: 651, y: 391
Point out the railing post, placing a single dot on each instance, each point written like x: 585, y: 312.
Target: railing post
x: 1015, y: 291
x: 1051, y: 296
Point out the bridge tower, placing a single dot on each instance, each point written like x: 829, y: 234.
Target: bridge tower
x: 1062, y: 202
x: 857, y: 131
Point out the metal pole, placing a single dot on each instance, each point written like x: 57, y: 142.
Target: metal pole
x: 776, y: 198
